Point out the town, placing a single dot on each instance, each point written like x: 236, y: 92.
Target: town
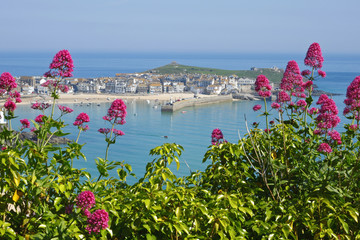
x: 145, y: 83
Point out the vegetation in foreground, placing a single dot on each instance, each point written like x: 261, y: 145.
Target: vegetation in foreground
x: 296, y: 179
x: 274, y: 75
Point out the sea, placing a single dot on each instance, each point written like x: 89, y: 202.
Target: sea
x: 146, y: 126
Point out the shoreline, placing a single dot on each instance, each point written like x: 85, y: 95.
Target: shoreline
x: 101, y: 98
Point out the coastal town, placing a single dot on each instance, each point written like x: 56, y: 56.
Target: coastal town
x: 145, y: 83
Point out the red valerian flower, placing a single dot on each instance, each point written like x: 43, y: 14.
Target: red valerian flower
x: 257, y: 107
x: 65, y: 109
x: 292, y: 78
x: 352, y: 100
x: 262, y: 86
x: 322, y: 73
x: 97, y: 221
x: 39, y: 118
x: 25, y: 123
x: 324, y: 147
x: 85, y: 200
x: 62, y: 65
x: 314, y: 56
x: 217, y: 137
x: 10, y: 105
x: 7, y: 82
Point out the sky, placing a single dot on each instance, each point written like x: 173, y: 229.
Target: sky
x: 209, y: 26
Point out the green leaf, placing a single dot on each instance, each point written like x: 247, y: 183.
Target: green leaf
x: 344, y: 225
x: 147, y: 203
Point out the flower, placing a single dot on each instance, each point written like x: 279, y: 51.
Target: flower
x: 80, y: 120
x: 118, y: 132
x: 65, y: 109
x: 335, y: 135
x: 322, y: 73
x: 39, y: 118
x: 104, y: 130
x: 314, y: 56
x: 116, y: 112
x: 25, y: 123
x: 275, y: 105
x: 257, y: 107
x: 97, y: 221
x: 69, y: 208
x: 324, y: 147
x: 306, y: 72
x: 10, y: 105
x: 62, y: 65
x: 262, y: 86
x: 291, y: 78
x: 301, y: 103
x: 352, y: 100
x: 313, y: 111
x: 283, y: 97
x: 64, y: 88
x: 7, y: 82
x: 216, y: 136
x: 353, y: 127
x: 328, y: 111
x: 40, y: 106
x: 85, y: 200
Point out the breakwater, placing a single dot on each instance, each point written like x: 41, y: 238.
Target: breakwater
x: 172, y: 107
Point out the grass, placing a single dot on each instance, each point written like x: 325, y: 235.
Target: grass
x: 174, y: 68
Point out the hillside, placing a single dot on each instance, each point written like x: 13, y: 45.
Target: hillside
x: 273, y: 74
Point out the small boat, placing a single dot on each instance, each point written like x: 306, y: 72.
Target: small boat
x: 183, y: 112
x: 148, y: 101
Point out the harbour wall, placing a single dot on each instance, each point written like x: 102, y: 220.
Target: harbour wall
x: 195, y: 102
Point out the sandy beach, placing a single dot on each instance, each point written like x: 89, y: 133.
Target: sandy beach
x: 99, y: 98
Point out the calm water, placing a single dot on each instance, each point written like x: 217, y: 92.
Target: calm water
x: 146, y: 126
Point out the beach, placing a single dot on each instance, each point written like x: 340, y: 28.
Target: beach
x: 100, y: 98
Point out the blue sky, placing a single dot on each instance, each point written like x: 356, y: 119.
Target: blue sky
x: 258, y: 26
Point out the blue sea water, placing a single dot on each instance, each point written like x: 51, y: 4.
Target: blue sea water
x: 146, y: 126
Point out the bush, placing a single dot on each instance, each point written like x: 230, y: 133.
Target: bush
x: 296, y: 179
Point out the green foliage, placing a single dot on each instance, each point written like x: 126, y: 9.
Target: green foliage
x: 272, y: 75
x: 271, y: 184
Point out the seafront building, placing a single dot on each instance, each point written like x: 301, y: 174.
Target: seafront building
x: 146, y: 83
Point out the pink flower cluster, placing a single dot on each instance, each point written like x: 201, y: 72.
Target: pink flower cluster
x: 292, y: 78
x: 314, y: 56
x: 7, y: 82
x: 80, y: 120
x: 40, y: 119
x: 352, y: 100
x: 97, y: 221
x: 116, y: 112
x: 25, y: 123
x: 257, y: 107
x: 10, y: 105
x: 85, y: 201
x: 324, y: 147
x: 40, y: 106
x: 51, y: 84
x: 262, y: 86
x: 327, y: 118
x: 62, y: 65
x: 15, y: 95
x: 217, y: 137
x: 116, y: 115
x: 65, y: 109
x: 106, y: 131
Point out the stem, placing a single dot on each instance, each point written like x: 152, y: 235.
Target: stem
x: 108, y: 145
x: 77, y: 139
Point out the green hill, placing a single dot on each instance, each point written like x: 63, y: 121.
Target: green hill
x: 273, y: 74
